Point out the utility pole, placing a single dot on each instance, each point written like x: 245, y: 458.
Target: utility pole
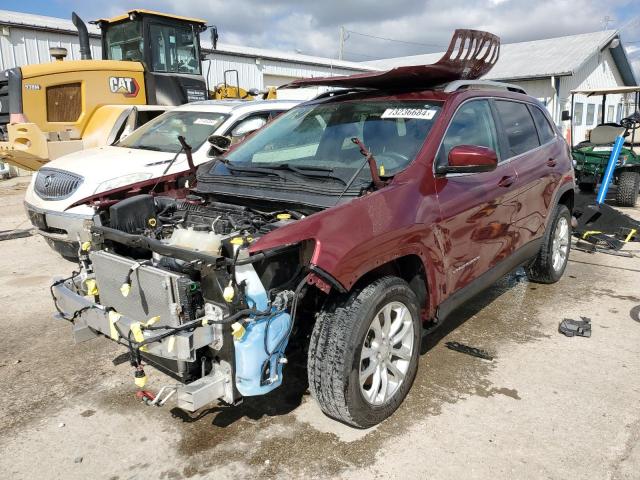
x: 341, y: 49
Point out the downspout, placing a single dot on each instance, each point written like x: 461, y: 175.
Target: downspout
x: 83, y: 36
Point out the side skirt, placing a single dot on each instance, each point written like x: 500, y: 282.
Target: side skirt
x: 484, y: 281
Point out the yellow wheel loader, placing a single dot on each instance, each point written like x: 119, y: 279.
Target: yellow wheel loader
x: 148, y: 58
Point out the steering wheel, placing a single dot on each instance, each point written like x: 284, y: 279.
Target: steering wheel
x: 397, y: 160
x: 632, y: 122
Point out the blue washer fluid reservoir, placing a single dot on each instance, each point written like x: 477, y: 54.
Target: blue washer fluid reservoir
x: 250, y: 353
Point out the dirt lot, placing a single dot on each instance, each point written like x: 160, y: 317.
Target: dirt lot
x: 547, y: 406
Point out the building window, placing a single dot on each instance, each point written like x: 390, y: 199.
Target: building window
x: 578, y: 111
x: 611, y: 113
x: 591, y: 113
x: 599, y: 120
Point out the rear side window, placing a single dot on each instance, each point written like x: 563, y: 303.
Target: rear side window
x: 472, y: 124
x: 518, y: 125
x: 545, y: 131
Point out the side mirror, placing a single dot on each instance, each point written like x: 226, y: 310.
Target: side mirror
x: 469, y: 159
x: 254, y: 92
x: 219, y: 143
x: 566, y: 115
x: 248, y: 126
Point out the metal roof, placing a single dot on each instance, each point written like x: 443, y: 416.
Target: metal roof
x: 589, y: 92
x: 142, y: 11
x: 538, y: 58
x: 253, y: 52
x: 41, y: 22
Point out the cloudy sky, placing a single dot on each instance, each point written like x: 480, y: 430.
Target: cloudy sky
x: 313, y: 27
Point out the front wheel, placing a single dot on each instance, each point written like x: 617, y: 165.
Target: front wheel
x: 628, y: 185
x: 551, y: 261
x: 363, y: 353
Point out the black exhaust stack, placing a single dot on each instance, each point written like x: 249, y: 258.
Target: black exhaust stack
x: 83, y: 34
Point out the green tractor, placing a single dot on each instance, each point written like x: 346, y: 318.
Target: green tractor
x: 590, y: 157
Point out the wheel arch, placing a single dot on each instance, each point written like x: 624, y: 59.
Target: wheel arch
x: 410, y: 267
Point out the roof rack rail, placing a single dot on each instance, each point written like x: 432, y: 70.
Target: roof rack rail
x: 481, y: 85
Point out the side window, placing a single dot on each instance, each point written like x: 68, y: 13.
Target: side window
x: 545, y: 131
x: 472, y: 124
x: 518, y: 127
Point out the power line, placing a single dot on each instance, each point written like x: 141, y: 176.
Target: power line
x: 394, y: 40
x: 360, y: 54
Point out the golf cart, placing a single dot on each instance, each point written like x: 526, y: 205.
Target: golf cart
x: 591, y: 156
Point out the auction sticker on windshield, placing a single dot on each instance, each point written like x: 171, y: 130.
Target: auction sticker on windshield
x: 205, y: 121
x: 422, y: 113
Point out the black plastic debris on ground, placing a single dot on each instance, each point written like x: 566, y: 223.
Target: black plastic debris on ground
x: 474, y: 352
x: 610, y: 221
x: 13, y: 234
x: 575, y: 328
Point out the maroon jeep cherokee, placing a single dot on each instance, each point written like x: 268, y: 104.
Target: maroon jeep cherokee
x: 335, y: 236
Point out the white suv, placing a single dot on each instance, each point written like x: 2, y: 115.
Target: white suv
x: 144, y: 154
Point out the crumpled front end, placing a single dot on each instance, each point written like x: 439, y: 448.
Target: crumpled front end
x: 174, y: 283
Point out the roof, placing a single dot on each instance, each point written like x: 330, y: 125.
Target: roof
x: 243, y: 51
x: 227, y: 106
x: 142, y: 11
x: 42, y: 22
x: 605, y: 91
x: 538, y: 58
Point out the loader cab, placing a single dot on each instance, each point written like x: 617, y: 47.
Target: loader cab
x: 169, y: 48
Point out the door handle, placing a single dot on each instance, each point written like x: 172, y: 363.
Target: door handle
x: 506, y: 181
x: 551, y: 162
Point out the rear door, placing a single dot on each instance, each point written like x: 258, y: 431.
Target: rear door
x: 532, y: 148
x: 477, y: 208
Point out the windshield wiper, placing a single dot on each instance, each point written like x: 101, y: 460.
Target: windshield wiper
x: 148, y: 147
x: 306, y: 171
x: 373, y: 168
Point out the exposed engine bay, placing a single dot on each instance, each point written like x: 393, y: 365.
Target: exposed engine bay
x: 173, y: 281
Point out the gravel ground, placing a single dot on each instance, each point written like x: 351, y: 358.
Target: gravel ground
x: 547, y: 406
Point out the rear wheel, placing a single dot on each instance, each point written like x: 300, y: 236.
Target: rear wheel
x: 551, y: 261
x: 363, y: 353
x: 628, y: 185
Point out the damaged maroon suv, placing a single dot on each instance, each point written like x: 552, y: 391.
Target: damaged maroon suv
x: 335, y: 237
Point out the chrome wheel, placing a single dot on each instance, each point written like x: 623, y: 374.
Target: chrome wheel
x: 560, y: 245
x: 386, y: 353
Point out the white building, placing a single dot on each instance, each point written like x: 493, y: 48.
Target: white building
x: 552, y: 68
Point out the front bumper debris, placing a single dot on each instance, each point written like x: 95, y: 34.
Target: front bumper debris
x: 94, y: 320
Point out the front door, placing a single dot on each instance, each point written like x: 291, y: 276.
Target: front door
x: 476, y: 208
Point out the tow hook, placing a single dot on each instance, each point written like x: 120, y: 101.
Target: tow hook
x: 157, y: 400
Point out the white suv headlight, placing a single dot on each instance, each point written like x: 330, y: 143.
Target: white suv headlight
x: 122, y: 181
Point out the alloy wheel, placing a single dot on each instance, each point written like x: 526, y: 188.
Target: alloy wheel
x: 386, y: 353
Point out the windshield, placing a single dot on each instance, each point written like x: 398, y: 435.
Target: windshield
x: 320, y: 136
x: 124, y: 41
x: 162, y: 132
x: 173, y: 49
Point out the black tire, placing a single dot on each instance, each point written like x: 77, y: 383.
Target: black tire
x: 542, y: 269
x: 628, y: 185
x: 587, y: 187
x: 335, y: 352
